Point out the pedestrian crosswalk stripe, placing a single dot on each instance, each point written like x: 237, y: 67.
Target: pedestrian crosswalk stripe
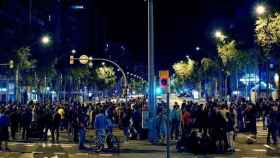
x: 259, y: 150
x: 106, y: 155
x: 37, y: 152
x: 28, y: 145
x: 59, y: 153
x: 82, y: 154
x: 66, y: 146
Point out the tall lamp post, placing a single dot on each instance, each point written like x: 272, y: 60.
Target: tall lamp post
x: 151, y: 73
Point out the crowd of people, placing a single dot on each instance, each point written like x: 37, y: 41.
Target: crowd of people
x: 211, y: 126
x: 35, y: 120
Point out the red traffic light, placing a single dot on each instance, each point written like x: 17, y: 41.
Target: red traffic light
x: 164, y: 83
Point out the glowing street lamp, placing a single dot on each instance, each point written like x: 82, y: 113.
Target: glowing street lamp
x: 73, y: 51
x: 260, y: 9
x: 219, y: 35
x: 45, y: 40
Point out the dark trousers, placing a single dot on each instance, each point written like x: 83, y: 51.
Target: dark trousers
x: 47, y: 128
x: 55, y: 133
x: 14, y: 128
x: 75, y: 134
x: 175, y: 128
x: 272, y: 132
x: 25, y: 132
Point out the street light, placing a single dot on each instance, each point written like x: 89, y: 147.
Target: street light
x: 260, y: 9
x: 73, y: 51
x: 197, y: 48
x: 45, y: 40
x: 219, y: 35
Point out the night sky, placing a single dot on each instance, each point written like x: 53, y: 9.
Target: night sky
x: 181, y: 26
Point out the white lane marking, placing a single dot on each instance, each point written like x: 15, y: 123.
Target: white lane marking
x: 249, y: 157
x: 259, y: 150
x: 269, y: 147
x: 66, y: 146
x: 106, y: 155
x: 59, y: 153
x: 237, y: 150
x: 37, y: 152
x: 28, y: 145
x: 85, y: 154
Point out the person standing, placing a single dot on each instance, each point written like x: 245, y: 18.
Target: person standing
x: 175, y: 121
x: 273, y: 125
x: 55, y: 127
x: 230, y: 131
x: 125, y: 124
x: 4, y: 129
x: 82, y: 133
x: 14, y: 118
x: 26, y: 123
x: 100, y: 123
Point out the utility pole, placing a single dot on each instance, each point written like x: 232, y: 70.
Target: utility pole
x: 151, y: 70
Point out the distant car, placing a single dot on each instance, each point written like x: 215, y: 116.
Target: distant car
x: 185, y: 94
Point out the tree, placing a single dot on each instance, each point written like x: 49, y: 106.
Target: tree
x: 268, y: 31
x: 185, y: 69
x: 23, y: 63
x: 106, y: 77
x: 210, y: 70
x: 138, y: 85
x: 229, y: 55
x: 268, y: 37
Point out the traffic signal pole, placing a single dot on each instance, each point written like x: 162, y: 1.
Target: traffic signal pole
x: 151, y: 73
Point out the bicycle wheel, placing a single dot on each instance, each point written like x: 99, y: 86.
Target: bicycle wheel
x: 115, y: 144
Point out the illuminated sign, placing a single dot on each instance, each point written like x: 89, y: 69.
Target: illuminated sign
x: 250, y: 78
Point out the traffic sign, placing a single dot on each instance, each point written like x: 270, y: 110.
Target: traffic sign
x: 84, y: 59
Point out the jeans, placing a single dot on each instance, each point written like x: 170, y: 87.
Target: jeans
x: 82, y: 137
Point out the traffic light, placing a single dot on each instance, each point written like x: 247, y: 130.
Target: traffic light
x: 164, y: 83
x: 164, y: 79
x: 11, y: 64
x: 71, y: 60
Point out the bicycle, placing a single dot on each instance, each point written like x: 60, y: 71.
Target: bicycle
x: 112, y: 142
